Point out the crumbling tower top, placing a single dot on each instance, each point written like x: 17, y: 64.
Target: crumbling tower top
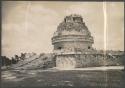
x: 73, y: 18
x: 72, y: 25
x: 72, y: 33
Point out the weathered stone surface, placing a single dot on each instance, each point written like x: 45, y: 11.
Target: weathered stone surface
x: 43, y: 61
x: 72, y: 34
x: 73, y: 40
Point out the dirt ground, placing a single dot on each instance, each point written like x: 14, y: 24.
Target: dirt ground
x: 62, y: 79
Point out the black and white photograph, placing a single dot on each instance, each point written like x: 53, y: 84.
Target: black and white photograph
x: 62, y: 44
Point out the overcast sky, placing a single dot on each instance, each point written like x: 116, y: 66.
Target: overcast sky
x: 28, y: 26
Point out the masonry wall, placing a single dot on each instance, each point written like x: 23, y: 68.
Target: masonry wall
x: 92, y: 60
x: 72, y: 45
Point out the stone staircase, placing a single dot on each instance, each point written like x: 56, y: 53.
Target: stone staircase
x: 34, y: 62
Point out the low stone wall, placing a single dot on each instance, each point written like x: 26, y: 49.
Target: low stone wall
x: 92, y: 60
x: 95, y: 60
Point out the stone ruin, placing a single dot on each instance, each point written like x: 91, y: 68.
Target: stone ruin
x: 73, y: 46
x: 72, y: 49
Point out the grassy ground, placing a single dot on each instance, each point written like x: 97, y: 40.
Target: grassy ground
x: 63, y: 79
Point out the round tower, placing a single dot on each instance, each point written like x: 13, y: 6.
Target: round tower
x: 72, y: 36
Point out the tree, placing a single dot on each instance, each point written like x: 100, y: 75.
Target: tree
x: 5, y: 61
x: 16, y: 58
x: 22, y: 57
x: 13, y: 61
